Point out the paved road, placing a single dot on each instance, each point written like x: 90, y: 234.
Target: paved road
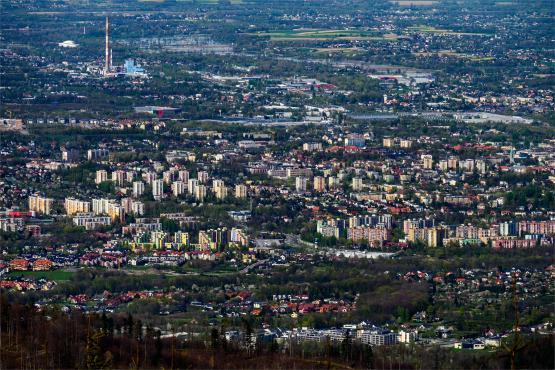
x: 250, y: 267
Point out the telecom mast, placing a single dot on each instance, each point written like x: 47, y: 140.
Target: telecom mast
x: 107, y: 66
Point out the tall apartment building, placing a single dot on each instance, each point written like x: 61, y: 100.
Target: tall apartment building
x: 427, y: 161
x: 70, y: 155
x: 333, y: 183
x: 452, y: 162
x: 481, y: 166
x: 388, y: 142
x: 357, y: 184
x: 405, y: 144
x: 74, y: 206
x: 240, y: 191
x: 216, y: 184
x: 319, y: 184
x: 115, y: 211
x: 192, y: 185
x: 158, y: 189
x: 300, y: 184
x: 138, y: 188
x: 202, y: 177
x: 200, y: 192
x: 40, y: 204
x: 178, y: 188
x: 220, y: 192
x: 101, y: 176
x: 93, y: 154
x: 119, y: 177
x: 183, y: 175
x: 374, y: 235
x: 108, y: 207
x: 310, y: 147
x: 169, y: 176
x: 149, y: 177
x: 138, y: 208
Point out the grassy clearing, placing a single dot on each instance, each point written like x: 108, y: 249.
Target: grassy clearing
x: 234, y: 2
x: 338, y: 50
x: 303, y: 34
x: 430, y: 29
x: 415, y: 2
x: 56, y: 275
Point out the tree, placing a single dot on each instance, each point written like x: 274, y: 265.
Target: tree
x: 93, y: 356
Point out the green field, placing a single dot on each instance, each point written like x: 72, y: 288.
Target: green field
x: 313, y: 34
x: 204, y: 2
x: 415, y: 2
x: 56, y: 275
x: 431, y: 29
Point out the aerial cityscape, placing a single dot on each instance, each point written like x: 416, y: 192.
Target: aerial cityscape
x: 283, y: 184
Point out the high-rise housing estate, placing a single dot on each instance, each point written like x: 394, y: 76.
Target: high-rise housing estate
x: 300, y: 184
x: 183, y: 175
x: 158, y: 189
x: 169, y: 176
x: 202, y: 177
x: 427, y: 161
x: 138, y: 208
x: 127, y: 203
x: 240, y: 191
x: 93, y: 154
x: 178, y: 188
x: 149, y: 177
x: 219, y: 189
x: 191, y: 186
x: 443, y: 165
x: 333, y: 182
x: 100, y: 206
x: 357, y: 184
x: 70, y: 155
x: 405, y: 144
x: 101, y: 176
x: 481, y: 166
x: 200, y: 192
x: 319, y: 184
x: 119, y: 177
x: 388, y: 142
x: 138, y: 188
x: 40, y: 204
x: 74, y: 206
x: 108, y: 207
x: 452, y: 162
